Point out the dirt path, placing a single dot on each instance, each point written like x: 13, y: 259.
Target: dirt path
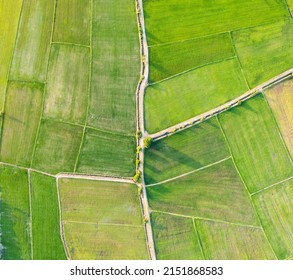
x: 140, y: 123
x: 204, y: 116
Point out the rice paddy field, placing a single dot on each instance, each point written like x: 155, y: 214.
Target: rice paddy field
x: 83, y: 83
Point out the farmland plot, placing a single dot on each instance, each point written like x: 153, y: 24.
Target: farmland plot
x: 102, y: 220
x: 179, y: 99
x: 9, y: 17
x: 215, y: 192
x: 21, y: 120
x: 185, y: 151
x: 47, y: 244
x: 33, y: 41
x: 280, y: 98
x: 72, y: 22
x: 275, y: 208
x: 14, y: 214
x: 232, y: 242
x: 256, y: 144
x: 175, y: 238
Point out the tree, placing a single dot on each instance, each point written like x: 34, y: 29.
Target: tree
x: 147, y: 142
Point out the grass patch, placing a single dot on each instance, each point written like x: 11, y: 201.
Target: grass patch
x: 215, y: 192
x: 67, y: 83
x: 33, y: 41
x: 99, y: 201
x: 185, y: 151
x: 275, y: 208
x: 230, y: 242
x: 174, y: 20
x: 170, y: 59
x: 255, y: 140
x: 57, y: 147
x: 72, y: 22
x: 21, y: 120
x: 9, y: 16
x: 280, y: 98
x: 191, y: 94
x: 107, y: 154
x: 175, y: 238
x: 15, y: 214
x: 105, y: 242
x: 47, y: 244
x: 265, y: 51
x: 116, y: 65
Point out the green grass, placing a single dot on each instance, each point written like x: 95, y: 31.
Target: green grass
x: 215, y: 192
x: 185, y: 151
x: 33, y: 41
x: 67, y: 83
x: 14, y: 214
x: 256, y: 144
x: 21, y: 120
x: 72, y: 22
x: 230, y: 242
x: 47, y: 244
x: 105, y: 242
x: 57, y: 147
x: 99, y: 202
x: 170, y: 59
x: 116, y: 65
x: 174, y: 20
x: 175, y: 238
x: 9, y: 16
x: 280, y: 98
x: 107, y: 154
x: 275, y: 208
x: 183, y: 97
x: 290, y: 4
x: 265, y: 51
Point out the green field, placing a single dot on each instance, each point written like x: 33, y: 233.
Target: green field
x: 174, y: 20
x: 9, y: 16
x: 170, y: 59
x: 99, y: 202
x: 108, y: 154
x: 256, y: 144
x: 14, y: 214
x: 175, y: 238
x: 215, y: 192
x: 67, y: 84
x: 33, y: 41
x: 47, y: 244
x: 185, y: 151
x: 57, y: 147
x: 230, y: 242
x: 280, y: 98
x: 176, y: 100
x: 116, y: 65
x: 21, y: 120
x: 105, y: 242
x: 275, y: 208
x: 102, y: 220
x: 72, y: 22
x: 265, y: 51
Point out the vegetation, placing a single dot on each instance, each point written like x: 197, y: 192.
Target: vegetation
x: 137, y: 176
x: 147, y: 142
x: 185, y: 151
x: 175, y: 238
x: 15, y: 214
x: 208, y: 193
x: 47, y: 244
x: 222, y: 241
x: 22, y: 116
x: 176, y: 100
x: 256, y: 144
x: 275, y: 208
x: 107, y: 154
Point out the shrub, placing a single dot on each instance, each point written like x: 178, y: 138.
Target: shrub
x: 138, y: 134
x: 136, y: 177
x: 137, y: 162
x: 147, y: 142
x: 139, y: 190
x: 145, y: 220
x: 138, y: 149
